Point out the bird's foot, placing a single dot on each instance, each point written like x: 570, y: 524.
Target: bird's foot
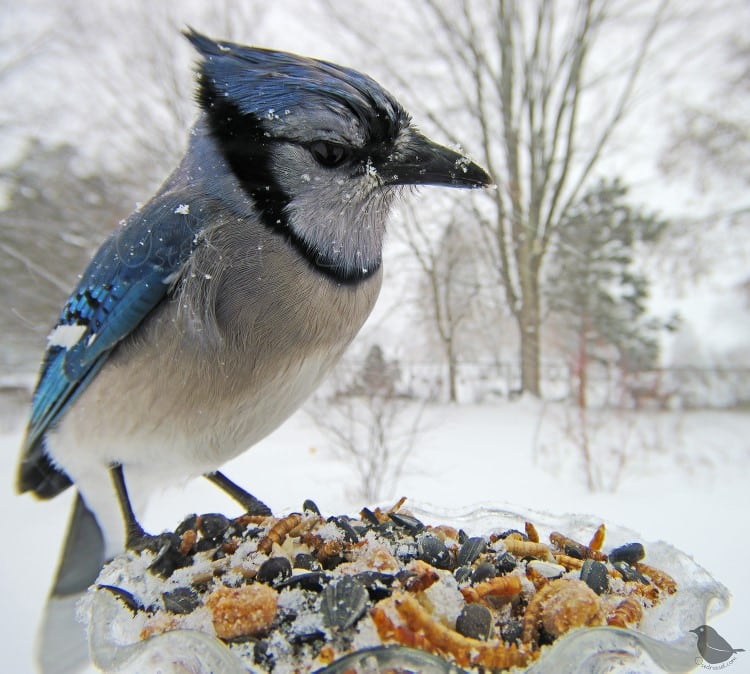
x: 251, y: 504
x: 166, y: 546
x: 136, y: 538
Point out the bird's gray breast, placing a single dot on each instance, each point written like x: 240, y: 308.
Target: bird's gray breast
x: 251, y: 331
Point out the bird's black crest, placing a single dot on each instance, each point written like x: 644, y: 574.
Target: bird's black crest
x: 297, y: 94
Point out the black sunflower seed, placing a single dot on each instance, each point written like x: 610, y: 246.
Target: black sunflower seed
x: 186, y: 525
x: 182, y: 600
x: 304, y: 560
x: 462, y: 574
x: 628, y: 573
x: 595, y: 575
x: 344, y: 603
x: 124, y: 596
x: 377, y: 584
x: 168, y: 557
x: 369, y: 516
x: 470, y: 550
x: 274, y: 570
x: 482, y: 572
x: 411, y: 524
x: 573, y: 549
x: 314, y: 581
x: 213, y: 526
x: 475, y: 622
x: 432, y: 550
x: 310, y: 506
x: 205, y: 544
x: 350, y: 536
x: 505, y: 562
x: 629, y: 553
x: 511, y: 631
x: 300, y: 638
x: 508, y: 532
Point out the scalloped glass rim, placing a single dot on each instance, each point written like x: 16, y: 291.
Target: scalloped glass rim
x: 664, y: 642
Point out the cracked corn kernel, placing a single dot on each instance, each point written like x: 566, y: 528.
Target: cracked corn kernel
x: 242, y: 611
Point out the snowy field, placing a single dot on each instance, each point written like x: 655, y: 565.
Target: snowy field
x: 676, y: 476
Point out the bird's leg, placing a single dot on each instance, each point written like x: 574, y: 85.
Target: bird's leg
x: 167, y: 546
x: 251, y: 504
x: 134, y: 533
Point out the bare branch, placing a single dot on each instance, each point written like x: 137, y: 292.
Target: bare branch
x: 616, y: 116
x: 33, y: 267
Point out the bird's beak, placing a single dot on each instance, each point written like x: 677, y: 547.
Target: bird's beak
x: 419, y: 161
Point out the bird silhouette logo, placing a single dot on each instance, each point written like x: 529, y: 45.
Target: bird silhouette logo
x: 713, y: 648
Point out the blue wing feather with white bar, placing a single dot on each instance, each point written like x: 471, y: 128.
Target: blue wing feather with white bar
x: 128, y: 277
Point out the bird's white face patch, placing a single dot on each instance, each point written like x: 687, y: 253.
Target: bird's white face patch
x: 65, y: 336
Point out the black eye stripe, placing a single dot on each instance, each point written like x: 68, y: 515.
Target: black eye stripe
x: 328, y: 154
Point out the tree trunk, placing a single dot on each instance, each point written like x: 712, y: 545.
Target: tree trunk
x: 582, y: 366
x: 452, y: 377
x: 529, y: 330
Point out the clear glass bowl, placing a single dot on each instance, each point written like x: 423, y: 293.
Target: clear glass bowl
x: 663, y: 642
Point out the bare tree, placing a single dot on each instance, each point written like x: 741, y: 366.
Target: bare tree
x: 21, y: 42
x: 711, y: 137
x: 142, y: 84
x: 54, y: 218
x: 370, y: 424
x: 522, y: 76
x: 450, y: 284
x: 710, y: 145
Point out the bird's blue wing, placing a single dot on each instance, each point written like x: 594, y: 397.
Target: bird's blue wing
x: 130, y: 275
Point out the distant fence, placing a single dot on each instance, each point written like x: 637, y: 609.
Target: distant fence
x: 662, y: 388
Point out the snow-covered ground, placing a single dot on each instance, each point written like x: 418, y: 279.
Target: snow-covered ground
x: 678, y: 477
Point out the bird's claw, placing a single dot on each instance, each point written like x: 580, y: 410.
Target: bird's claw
x: 166, y: 546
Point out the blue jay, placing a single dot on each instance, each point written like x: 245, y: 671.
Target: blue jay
x: 210, y: 315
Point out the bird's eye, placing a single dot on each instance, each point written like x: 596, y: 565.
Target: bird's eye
x: 328, y: 154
